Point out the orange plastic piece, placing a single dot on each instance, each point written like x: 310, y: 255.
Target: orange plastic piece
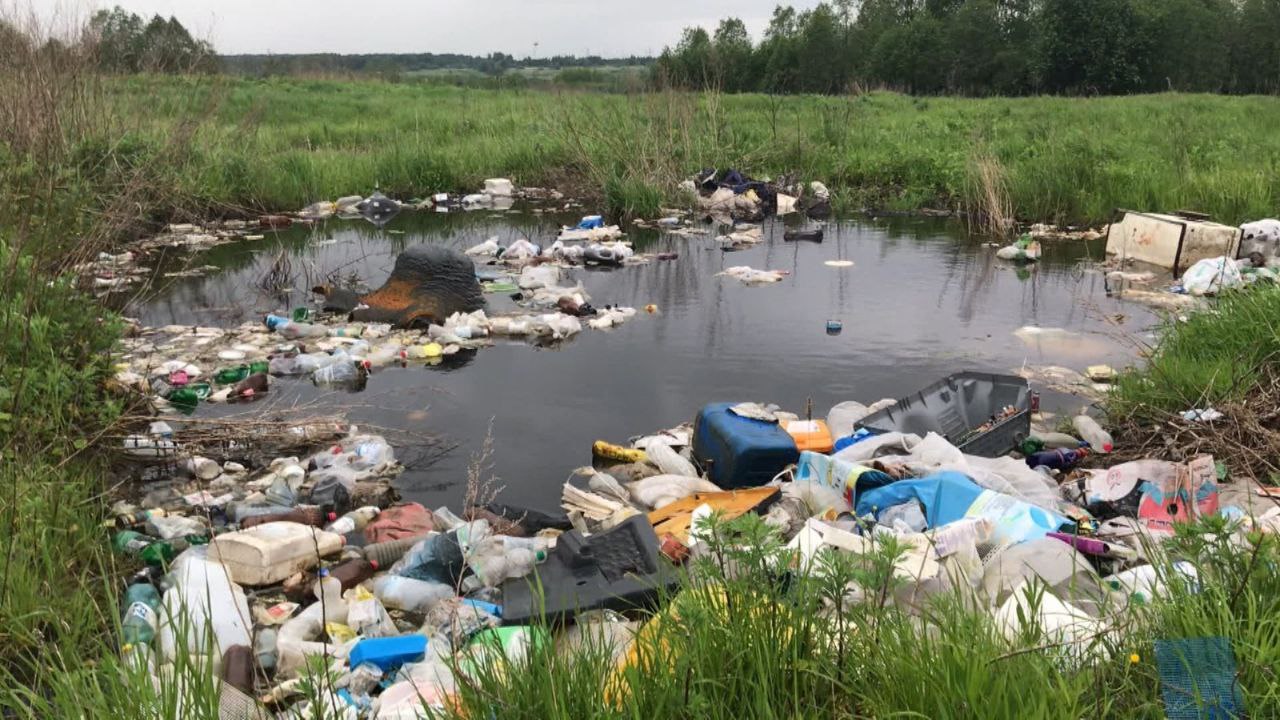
x: 811, y: 435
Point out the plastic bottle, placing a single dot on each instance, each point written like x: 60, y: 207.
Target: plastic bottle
x: 342, y: 374
x: 251, y: 386
x: 1099, y: 440
x: 353, y: 572
x: 312, y: 515
x: 355, y: 520
x: 137, y: 545
x: 264, y: 648
x: 385, y: 355
x: 237, y: 668
x: 387, y: 553
x: 293, y: 330
x: 139, y: 623
x: 1057, y: 459
x: 137, y: 519
x: 1057, y: 441
x: 402, y: 593
x: 350, y: 331
x: 304, y: 363
x: 203, y: 600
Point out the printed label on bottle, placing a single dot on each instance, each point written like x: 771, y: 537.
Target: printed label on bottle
x: 143, y: 612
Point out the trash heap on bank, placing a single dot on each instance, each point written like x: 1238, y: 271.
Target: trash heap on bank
x: 261, y: 569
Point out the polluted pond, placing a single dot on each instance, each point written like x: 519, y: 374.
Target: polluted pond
x: 388, y: 442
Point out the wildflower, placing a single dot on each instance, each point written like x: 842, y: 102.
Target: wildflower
x: 1133, y: 658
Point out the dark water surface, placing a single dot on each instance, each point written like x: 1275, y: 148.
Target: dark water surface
x: 920, y: 302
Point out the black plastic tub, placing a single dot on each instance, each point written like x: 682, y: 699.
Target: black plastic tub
x: 964, y: 408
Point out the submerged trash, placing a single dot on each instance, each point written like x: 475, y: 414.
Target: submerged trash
x: 751, y: 276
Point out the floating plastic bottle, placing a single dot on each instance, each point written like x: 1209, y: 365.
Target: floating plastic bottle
x: 349, y: 375
x: 294, y: 330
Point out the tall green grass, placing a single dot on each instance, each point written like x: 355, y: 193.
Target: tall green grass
x: 280, y: 144
x: 745, y: 638
x: 1216, y: 355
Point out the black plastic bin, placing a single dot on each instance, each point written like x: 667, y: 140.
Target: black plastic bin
x: 956, y: 406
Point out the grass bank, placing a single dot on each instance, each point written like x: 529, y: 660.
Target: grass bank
x: 281, y: 144
x: 754, y: 642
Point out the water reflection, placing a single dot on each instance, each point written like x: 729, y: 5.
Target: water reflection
x: 920, y: 301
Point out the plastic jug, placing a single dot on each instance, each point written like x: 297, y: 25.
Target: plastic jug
x: 271, y: 552
x: 203, y: 599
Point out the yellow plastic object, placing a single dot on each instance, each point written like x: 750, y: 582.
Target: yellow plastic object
x: 339, y: 632
x: 811, y: 435
x: 609, y: 451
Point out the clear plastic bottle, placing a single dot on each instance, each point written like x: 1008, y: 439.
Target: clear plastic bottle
x: 293, y: 330
x: 403, y: 593
x: 264, y: 648
x: 1092, y: 433
x: 341, y: 374
x: 355, y: 520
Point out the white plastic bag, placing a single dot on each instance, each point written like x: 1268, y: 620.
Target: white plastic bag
x: 1212, y: 275
x: 534, y: 277
x: 669, y: 461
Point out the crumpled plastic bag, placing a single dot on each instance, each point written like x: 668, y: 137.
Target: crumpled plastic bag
x: 1211, y: 276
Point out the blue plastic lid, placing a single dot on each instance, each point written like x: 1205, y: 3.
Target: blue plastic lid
x: 274, y: 321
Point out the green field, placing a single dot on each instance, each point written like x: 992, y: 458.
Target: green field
x: 280, y: 144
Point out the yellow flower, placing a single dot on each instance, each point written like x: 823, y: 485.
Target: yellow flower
x: 1133, y: 658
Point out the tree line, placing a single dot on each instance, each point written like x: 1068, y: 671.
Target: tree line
x: 123, y: 42
x: 989, y: 47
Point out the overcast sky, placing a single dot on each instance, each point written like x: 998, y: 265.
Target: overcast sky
x: 599, y: 27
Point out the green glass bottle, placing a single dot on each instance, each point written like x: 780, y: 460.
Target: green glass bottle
x: 151, y: 550
x: 259, y: 366
x: 141, y: 603
x: 231, y: 376
x: 189, y: 396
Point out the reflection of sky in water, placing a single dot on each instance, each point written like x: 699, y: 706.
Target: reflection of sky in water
x: 919, y: 302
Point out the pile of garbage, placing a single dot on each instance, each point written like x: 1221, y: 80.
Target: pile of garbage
x: 1024, y: 249
x: 179, y: 367
x: 110, y: 273
x: 267, y: 571
x: 731, y: 194
x: 590, y: 243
